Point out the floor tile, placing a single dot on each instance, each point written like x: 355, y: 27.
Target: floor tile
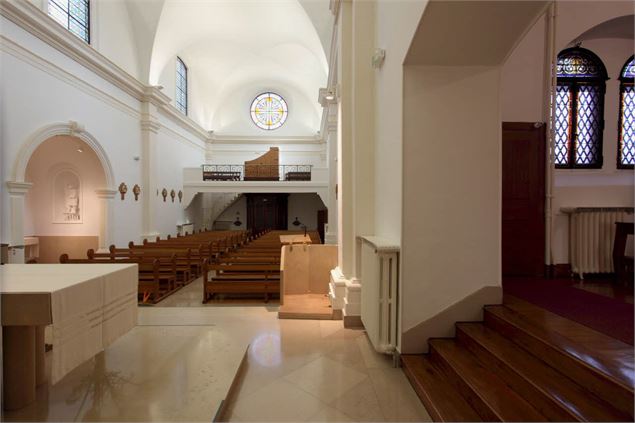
x: 360, y: 403
x: 325, y: 378
x: 278, y: 401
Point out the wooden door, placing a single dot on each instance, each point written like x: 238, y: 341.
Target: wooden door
x: 523, y: 214
x: 322, y: 219
x: 267, y: 211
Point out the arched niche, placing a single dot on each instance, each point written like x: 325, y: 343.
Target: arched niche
x: 62, y: 207
x: 21, y: 217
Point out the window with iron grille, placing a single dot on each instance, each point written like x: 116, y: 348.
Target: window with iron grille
x: 579, y: 109
x: 181, y: 86
x: 626, y: 125
x: 73, y: 15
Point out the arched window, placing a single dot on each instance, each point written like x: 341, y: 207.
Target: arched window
x: 579, y: 109
x: 626, y: 126
x: 181, y: 86
x: 73, y: 15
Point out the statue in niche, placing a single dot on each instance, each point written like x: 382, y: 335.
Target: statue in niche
x: 67, y: 198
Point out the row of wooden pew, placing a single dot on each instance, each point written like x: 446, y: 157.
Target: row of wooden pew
x: 169, y: 264
x: 252, y: 268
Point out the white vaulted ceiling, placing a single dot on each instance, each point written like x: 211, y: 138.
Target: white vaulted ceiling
x: 236, y: 49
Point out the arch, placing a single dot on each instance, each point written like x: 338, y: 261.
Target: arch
x: 625, y: 128
x: 579, y: 109
x: 70, y: 128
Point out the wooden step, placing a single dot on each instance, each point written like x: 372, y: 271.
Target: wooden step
x: 489, y: 395
x: 443, y: 402
x: 579, y: 363
x: 556, y: 397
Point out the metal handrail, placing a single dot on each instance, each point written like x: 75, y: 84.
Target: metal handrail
x: 255, y: 172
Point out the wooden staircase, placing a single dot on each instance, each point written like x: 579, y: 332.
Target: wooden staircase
x: 523, y: 363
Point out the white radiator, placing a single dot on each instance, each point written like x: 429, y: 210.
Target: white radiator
x: 379, y: 274
x: 591, y: 237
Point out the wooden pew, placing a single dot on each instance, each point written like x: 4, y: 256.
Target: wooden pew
x: 241, y: 279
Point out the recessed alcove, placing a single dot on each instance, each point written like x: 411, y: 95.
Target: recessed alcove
x: 62, y: 207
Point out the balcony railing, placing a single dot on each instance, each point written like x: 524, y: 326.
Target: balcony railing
x: 256, y: 172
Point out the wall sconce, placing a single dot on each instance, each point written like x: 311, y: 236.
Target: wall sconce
x: 237, y: 222
x: 296, y: 222
x: 164, y: 193
x: 136, y: 190
x: 378, y: 58
x: 180, y: 196
x: 123, y: 189
x: 172, y: 195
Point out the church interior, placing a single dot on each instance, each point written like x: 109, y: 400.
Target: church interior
x: 317, y: 210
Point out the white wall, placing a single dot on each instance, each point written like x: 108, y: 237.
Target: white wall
x: 305, y: 208
x: 52, y: 156
x: 605, y: 187
x: 523, y: 87
x: 56, y: 89
x: 390, y: 15
x: 113, y: 35
x: 451, y: 244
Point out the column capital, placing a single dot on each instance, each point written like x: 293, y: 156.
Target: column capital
x: 18, y: 188
x: 106, y: 193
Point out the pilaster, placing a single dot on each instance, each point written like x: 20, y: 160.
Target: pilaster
x: 106, y: 197
x: 17, y: 192
x: 149, y: 133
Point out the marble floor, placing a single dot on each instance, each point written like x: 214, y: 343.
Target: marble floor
x: 178, y: 364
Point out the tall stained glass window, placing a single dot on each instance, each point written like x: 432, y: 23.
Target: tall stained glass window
x: 73, y: 15
x: 626, y: 126
x: 181, y: 86
x: 269, y: 111
x: 579, y: 109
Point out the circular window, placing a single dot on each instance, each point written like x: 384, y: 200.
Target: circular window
x: 269, y: 111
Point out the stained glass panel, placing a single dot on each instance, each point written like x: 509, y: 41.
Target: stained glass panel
x: 72, y: 15
x: 629, y: 70
x: 563, y: 124
x: 181, y: 86
x: 589, y: 125
x: 627, y: 126
x: 269, y: 111
x: 578, y: 64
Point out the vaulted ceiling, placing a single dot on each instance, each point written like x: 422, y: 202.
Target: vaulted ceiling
x: 236, y: 49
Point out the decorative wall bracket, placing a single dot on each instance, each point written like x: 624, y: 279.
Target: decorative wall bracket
x: 136, y: 190
x: 123, y: 189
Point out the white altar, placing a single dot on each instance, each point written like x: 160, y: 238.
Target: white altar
x: 88, y: 305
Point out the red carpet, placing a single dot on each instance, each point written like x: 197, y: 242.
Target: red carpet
x: 606, y: 315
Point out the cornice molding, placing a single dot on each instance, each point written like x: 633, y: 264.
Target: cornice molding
x: 33, y: 20
x: 106, y: 193
x: 18, y: 188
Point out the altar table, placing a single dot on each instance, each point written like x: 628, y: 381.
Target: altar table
x: 89, y: 306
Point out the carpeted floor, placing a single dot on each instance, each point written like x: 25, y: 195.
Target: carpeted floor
x: 610, y: 316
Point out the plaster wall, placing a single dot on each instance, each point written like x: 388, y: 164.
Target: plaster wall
x: 452, y: 183
x: 523, y: 88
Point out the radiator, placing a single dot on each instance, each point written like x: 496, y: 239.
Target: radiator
x: 591, y: 237
x: 379, y: 274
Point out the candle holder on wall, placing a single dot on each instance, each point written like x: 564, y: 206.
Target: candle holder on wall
x: 172, y: 195
x: 123, y: 189
x: 164, y: 193
x: 180, y: 196
x: 136, y: 190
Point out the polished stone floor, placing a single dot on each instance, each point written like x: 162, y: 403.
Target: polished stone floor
x: 178, y: 364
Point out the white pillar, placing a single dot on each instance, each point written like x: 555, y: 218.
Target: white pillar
x: 149, y: 130
x: 106, y: 197
x: 17, y: 192
x: 331, y: 134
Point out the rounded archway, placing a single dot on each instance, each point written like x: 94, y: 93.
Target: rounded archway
x: 63, y: 210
